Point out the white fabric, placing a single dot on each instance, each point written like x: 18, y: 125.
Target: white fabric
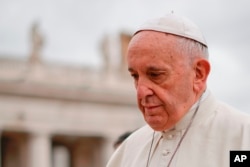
x: 216, y: 129
x: 174, y: 24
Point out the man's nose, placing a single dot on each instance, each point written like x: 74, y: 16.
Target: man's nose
x: 143, y: 90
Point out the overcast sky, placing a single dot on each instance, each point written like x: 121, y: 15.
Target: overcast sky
x: 73, y: 29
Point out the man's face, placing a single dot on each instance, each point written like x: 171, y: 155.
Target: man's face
x: 163, y: 78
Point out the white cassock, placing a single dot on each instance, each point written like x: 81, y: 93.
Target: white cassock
x: 216, y: 129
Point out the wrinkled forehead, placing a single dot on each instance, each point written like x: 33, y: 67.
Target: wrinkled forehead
x: 153, y: 40
x: 150, y: 46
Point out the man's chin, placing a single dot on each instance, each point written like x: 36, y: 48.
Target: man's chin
x: 156, y: 125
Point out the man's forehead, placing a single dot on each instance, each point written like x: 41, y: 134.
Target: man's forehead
x: 153, y: 39
x: 151, y: 66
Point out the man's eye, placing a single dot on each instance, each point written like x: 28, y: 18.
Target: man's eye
x: 154, y: 75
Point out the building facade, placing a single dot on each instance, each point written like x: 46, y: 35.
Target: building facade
x: 62, y: 116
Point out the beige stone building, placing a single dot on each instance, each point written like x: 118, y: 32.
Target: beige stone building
x: 63, y: 116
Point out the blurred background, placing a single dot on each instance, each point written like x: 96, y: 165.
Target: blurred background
x: 65, y: 94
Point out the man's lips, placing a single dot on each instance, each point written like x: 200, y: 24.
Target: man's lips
x: 151, y: 107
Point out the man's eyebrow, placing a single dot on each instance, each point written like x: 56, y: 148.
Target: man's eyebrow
x: 150, y: 68
x: 153, y: 68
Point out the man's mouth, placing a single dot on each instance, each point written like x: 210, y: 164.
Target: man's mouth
x: 151, y: 109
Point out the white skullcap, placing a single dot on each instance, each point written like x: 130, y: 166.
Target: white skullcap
x: 173, y: 24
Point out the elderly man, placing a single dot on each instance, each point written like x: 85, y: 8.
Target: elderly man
x: 187, y: 126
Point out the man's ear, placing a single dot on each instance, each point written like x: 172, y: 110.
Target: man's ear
x: 202, y: 69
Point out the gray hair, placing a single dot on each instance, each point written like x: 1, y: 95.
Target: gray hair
x: 192, y: 48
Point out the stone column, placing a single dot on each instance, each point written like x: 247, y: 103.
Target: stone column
x: 40, y: 150
x: 107, y: 149
x: 0, y: 148
x: 61, y: 157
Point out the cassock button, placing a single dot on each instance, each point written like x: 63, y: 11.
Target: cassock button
x: 170, y: 136
x: 165, y: 152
